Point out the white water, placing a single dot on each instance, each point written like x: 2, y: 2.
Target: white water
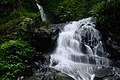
x: 79, y: 51
x: 43, y: 16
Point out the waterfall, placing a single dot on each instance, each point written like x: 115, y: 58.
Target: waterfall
x: 80, y: 51
x: 43, y: 15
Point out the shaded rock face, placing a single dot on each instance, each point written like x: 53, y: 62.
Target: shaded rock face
x: 112, y: 46
x: 44, y: 38
x: 42, y: 44
x: 55, y: 29
x: 114, y: 53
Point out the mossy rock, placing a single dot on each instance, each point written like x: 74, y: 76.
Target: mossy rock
x: 25, y: 29
x: 16, y: 24
x: 13, y: 28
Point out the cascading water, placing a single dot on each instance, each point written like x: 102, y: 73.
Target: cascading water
x: 79, y: 51
x: 43, y: 15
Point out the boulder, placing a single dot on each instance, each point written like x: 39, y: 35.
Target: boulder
x: 50, y: 74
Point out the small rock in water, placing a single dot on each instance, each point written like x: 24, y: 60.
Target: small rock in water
x: 104, y: 72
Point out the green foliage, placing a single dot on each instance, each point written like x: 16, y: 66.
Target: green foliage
x: 97, y: 8
x: 108, y: 19
x: 13, y: 58
x: 14, y: 9
x: 17, y: 14
x: 67, y: 10
x: 107, y: 12
x: 16, y: 28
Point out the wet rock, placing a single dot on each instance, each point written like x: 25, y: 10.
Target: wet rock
x: 115, y: 77
x: 104, y: 72
x: 39, y: 38
x: 114, y: 44
x: 50, y: 74
x: 107, y: 74
x: 53, y: 27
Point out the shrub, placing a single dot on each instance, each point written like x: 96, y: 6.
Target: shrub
x: 13, y: 58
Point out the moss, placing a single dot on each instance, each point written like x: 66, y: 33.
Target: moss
x: 43, y: 31
x: 15, y: 28
x: 15, y: 25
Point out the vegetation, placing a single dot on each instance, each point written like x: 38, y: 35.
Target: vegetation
x: 68, y: 10
x: 13, y: 9
x: 19, y: 42
x: 106, y: 11
x: 13, y: 58
x: 18, y: 36
x: 20, y: 24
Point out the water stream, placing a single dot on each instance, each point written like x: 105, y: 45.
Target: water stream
x: 80, y: 52
x: 43, y: 15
